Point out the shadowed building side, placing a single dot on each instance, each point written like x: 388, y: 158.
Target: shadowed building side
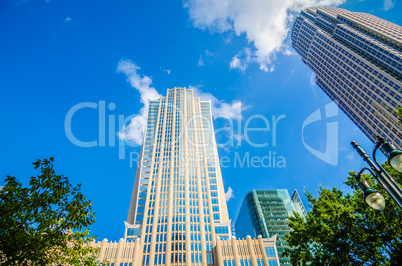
x: 357, y: 59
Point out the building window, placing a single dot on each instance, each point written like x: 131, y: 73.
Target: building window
x: 273, y: 262
x: 270, y: 251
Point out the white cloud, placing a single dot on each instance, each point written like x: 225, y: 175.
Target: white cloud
x: 265, y: 23
x: 238, y: 139
x: 208, y: 53
x: 134, y: 131
x: 235, y: 63
x: 350, y: 156
x: 168, y: 71
x: 229, y: 194
x: 241, y: 60
x: 67, y: 19
x: 205, y: 58
x: 388, y: 4
x: 200, y: 61
x: 219, y: 107
x: 288, y: 52
x: 312, y: 79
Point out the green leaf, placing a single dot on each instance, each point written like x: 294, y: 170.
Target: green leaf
x: 343, y: 230
x: 34, y: 221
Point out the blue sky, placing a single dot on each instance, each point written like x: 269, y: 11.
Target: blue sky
x: 56, y: 54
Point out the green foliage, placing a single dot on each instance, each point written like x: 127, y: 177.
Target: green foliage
x: 36, y: 222
x: 343, y: 230
x: 399, y: 113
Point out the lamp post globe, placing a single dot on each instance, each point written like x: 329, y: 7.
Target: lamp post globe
x: 375, y: 200
x: 371, y: 196
x: 393, y: 154
x: 396, y: 161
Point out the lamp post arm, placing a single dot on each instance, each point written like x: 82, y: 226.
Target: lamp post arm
x: 358, y: 176
x: 392, y: 188
x: 378, y: 144
x: 375, y: 171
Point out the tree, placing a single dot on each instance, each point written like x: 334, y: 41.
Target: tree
x: 45, y: 223
x: 343, y: 230
x: 399, y: 113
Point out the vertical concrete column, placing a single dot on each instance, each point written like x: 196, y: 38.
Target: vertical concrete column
x: 186, y: 180
x: 197, y: 123
x: 103, y: 249
x: 137, y: 253
x: 218, y: 250
x: 171, y: 178
x: 263, y: 250
x: 119, y: 251
x: 235, y: 250
x: 157, y: 183
x: 251, y: 249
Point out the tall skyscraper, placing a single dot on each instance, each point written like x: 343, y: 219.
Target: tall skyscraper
x: 357, y: 59
x: 265, y: 213
x: 178, y: 213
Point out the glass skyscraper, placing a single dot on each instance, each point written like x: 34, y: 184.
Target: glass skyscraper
x: 178, y: 213
x: 357, y: 59
x: 265, y: 213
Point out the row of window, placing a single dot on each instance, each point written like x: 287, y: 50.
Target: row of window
x: 359, y: 108
x: 350, y: 85
x: 247, y: 262
x: 371, y: 48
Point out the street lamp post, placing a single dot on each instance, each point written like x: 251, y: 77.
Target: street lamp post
x: 386, y: 181
x: 371, y: 196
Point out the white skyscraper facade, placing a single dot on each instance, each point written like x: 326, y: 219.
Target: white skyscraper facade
x: 178, y: 198
x: 178, y: 213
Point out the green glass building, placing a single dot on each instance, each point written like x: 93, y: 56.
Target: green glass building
x: 265, y: 213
